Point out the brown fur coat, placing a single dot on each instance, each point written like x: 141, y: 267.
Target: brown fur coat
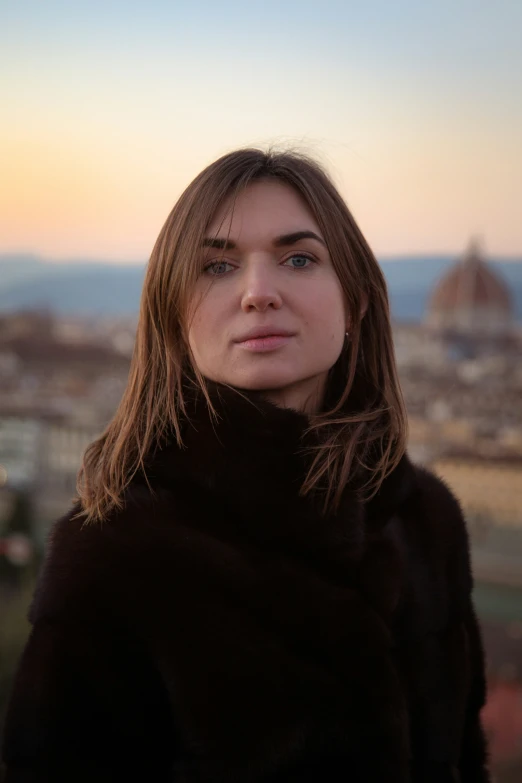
x: 222, y: 631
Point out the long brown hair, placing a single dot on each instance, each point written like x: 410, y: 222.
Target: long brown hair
x: 363, y: 422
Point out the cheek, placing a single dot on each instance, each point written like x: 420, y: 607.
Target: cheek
x: 200, y: 312
x: 197, y: 337
x: 207, y: 322
x: 328, y: 312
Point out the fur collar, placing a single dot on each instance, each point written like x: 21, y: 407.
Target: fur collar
x: 255, y: 457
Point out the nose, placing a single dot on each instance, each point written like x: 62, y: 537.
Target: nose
x: 260, y: 291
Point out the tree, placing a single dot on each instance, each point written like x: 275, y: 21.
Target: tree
x: 16, y: 542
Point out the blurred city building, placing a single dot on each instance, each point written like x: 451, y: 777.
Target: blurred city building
x: 471, y: 299
x: 61, y: 379
x: 461, y: 374
x: 60, y: 382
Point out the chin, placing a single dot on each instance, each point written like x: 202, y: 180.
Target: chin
x: 264, y: 381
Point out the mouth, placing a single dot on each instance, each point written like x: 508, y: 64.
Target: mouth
x: 264, y: 340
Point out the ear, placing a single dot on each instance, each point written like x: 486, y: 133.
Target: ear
x: 363, y: 309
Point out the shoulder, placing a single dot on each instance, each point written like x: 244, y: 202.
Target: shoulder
x: 436, y: 529
x: 436, y: 492
x: 85, y: 562
x: 424, y: 501
x: 441, y: 508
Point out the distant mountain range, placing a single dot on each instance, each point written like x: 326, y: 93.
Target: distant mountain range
x: 95, y: 288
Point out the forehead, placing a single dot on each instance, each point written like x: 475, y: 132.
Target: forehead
x: 267, y: 208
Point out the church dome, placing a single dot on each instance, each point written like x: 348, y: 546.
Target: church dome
x: 470, y: 297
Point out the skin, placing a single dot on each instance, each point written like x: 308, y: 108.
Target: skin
x: 258, y: 284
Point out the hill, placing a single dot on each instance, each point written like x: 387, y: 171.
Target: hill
x: 94, y: 288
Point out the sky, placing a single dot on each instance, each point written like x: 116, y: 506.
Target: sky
x: 111, y: 108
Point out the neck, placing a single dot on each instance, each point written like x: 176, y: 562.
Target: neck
x: 305, y: 397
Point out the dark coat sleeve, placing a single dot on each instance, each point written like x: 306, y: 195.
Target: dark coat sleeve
x: 473, y: 764
x: 87, y: 702
x: 459, y: 648
x: 473, y: 753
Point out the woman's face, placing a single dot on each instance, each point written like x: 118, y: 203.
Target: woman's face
x: 268, y: 312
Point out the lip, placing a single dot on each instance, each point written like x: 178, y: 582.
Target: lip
x: 264, y: 331
x: 264, y: 339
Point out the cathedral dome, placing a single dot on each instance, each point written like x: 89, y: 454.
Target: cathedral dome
x: 470, y: 297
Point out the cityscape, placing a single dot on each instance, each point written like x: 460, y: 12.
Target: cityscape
x: 61, y: 378
x: 111, y: 112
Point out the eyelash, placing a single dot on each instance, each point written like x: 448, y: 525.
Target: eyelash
x: 211, y: 264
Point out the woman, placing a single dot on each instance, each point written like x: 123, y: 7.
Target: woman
x: 255, y: 583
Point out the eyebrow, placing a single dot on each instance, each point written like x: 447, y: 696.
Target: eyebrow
x: 282, y: 241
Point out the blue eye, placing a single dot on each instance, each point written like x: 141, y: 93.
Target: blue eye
x: 218, y: 268
x: 298, y: 261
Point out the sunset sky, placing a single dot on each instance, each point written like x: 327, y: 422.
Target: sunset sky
x: 111, y: 108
